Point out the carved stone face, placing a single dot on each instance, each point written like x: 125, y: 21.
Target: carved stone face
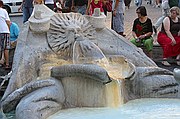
x: 65, y: 29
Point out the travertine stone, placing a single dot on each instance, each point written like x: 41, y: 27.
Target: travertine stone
x: 40, y: 21
x: 50, y: 40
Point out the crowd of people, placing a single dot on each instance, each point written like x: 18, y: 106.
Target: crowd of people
x: 142, y: 30
x: 169, y: 35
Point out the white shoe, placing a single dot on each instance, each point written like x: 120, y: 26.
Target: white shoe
x: 165, y: 63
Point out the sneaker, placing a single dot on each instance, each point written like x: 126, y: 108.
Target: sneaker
x: 158, y: 6
x: 155, y: 30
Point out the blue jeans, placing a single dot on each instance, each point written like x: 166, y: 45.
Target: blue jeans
x: 27, y: 11
x: 165, y: 11
x: 80, y: 9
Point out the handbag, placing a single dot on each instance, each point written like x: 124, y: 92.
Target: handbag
x: 108, y: 6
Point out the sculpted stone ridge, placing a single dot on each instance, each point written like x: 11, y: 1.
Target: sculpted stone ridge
x: 76, y: 64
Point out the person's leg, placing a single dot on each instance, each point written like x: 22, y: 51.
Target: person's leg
x: 6, y: 51
x: 165, y: 12
x: 135, y: 43
x: 163, y: 40
x: 148, y: 43
x: 158, y: 23
x: 6, y: 56
x: 30, y: 10
x: 118, y: 23
x: 154, y: 3
x: 140, y: 3
x: 1, y: 49
x: 2, y: 58
x: 25, y: 14
x: 82, y: 9
x: 121, y: 21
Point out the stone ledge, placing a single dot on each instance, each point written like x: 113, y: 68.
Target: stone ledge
x: 157, y: 51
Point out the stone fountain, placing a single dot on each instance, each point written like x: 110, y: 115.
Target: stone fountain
x: 69, y: 60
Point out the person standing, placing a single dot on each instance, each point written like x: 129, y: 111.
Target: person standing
x: 14, y: 33
x: 118, y: 17
x: 4, y: 34
x: 27, y: 8
x: 79, y: 6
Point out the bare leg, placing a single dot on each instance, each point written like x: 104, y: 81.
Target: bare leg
x: 150, y: 54
x: 6, y: 55
x: 2, y: 58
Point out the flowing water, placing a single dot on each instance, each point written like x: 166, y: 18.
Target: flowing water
x: 88, y: 52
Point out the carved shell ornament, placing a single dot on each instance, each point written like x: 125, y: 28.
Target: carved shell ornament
x: 67, y: 28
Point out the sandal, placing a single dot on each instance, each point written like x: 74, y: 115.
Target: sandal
x: 165, y: 63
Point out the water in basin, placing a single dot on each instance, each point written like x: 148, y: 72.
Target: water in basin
x: 135, y: 109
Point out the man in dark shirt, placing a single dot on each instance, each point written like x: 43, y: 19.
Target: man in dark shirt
x: 27, y: 8
x: 79, y: 6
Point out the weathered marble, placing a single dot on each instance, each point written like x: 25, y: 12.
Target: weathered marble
x: 73, y: 63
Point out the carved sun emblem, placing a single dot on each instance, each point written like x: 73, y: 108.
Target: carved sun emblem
x: 65, y: 29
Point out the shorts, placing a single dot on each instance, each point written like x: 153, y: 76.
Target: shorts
x: 4, y: 41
